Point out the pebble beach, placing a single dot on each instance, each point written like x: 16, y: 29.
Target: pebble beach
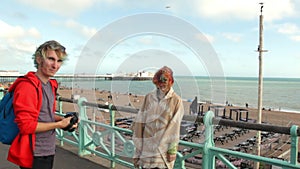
x: 280, y: 118
x: 273, y: 145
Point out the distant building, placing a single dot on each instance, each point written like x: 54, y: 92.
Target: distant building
x: 145, y: 74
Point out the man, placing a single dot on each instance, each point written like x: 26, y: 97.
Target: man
x: 156, y: 128
x: 34, y: 107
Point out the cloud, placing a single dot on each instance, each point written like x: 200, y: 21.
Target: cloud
x: 65, y: 8
x: 278, y: 9
x: 33, y: 32
x: 295, y: 38
x: 205, y: 37
x: 235, y: 37
x: 71, y: 8
x: 10, y: 32
x: 225, y: 10
x: 79, y: 28
x: 17, y: 54
x: 146, y: 40
x: 290, y: 29
x: 76, y: 28
x: 219, y: 10
x: 17, y: 46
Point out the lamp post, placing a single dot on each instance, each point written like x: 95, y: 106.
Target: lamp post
x: 260, y: 80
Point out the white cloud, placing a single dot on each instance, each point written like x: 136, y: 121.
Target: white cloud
x: 33, y: 32
x: 88, y: 32
x: 288, y: 28
x: 278, y: 9
x: 79, y: 28
x: 65, y: 8
x: 17, y: 52
x: 295, y: 38
x: 220, y: 9
x: 205, y: 37
x: 17, y: 46
x: 225, y: 10
x: 213, y: 9
x: 209, y: 37
x: 24, y: 46
x: 147, y: 40
x: 235, y: 37
x: 8, y: 31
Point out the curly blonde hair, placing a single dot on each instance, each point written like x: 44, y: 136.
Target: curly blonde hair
x: 59, y: 49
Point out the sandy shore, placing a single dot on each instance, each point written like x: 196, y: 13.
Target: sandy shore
x: 135, y: 101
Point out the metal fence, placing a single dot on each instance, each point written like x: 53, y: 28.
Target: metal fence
x: 107, y: 140
x: 114, y: 143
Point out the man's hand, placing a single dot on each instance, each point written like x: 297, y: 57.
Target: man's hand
x: 171, y: 157
x: 65, y: 122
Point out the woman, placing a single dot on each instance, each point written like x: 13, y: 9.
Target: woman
x: 157, y: 126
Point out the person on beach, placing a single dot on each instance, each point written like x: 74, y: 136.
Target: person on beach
x: 34, y: 106
x: 156, y: 129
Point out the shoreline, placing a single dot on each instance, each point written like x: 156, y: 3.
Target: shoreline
x: 275, y: 117
x: 287, y: 102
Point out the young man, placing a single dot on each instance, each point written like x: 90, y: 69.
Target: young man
x: 157, y: 125
x: 34, y: 107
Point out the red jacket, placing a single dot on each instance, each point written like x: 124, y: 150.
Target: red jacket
x: 27, y: 104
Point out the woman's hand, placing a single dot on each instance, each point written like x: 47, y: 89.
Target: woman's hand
x: 135, y: 162
x: 171, y: 157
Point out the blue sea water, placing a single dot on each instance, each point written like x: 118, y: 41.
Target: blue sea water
x: 278, y: 93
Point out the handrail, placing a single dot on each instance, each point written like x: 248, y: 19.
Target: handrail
x: 103, y: 106
x: 245, y: 125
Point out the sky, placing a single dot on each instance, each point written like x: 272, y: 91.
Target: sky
x: 194, y: 37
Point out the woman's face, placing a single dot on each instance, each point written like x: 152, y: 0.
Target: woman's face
x: 164, y: 84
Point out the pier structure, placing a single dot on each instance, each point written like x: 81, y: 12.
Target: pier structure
x: 71, y: 77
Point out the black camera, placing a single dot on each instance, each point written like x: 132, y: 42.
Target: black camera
x: 73, y: 121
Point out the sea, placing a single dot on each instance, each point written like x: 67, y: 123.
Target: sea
x: 279, y: 94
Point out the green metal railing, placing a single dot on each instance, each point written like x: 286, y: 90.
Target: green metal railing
x: 92, y: 141
x: 114, y: 143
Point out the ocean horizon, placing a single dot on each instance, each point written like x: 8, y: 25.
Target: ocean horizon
x: 280, y: 94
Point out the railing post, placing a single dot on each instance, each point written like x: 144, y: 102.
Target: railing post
x: 1, y: 92
x: 60, y: 108
x: 208, y: 161
x: 60, y: 105
x: 179, y: 163
x: 112, y: 124
x: 294, y: 144
x: 82, y: 127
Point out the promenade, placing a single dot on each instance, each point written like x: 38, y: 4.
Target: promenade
x: 64, y: 159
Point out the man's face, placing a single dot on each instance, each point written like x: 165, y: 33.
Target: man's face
x: 50, y: 64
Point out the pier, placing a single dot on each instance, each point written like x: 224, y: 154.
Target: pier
x: 71, y: 77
